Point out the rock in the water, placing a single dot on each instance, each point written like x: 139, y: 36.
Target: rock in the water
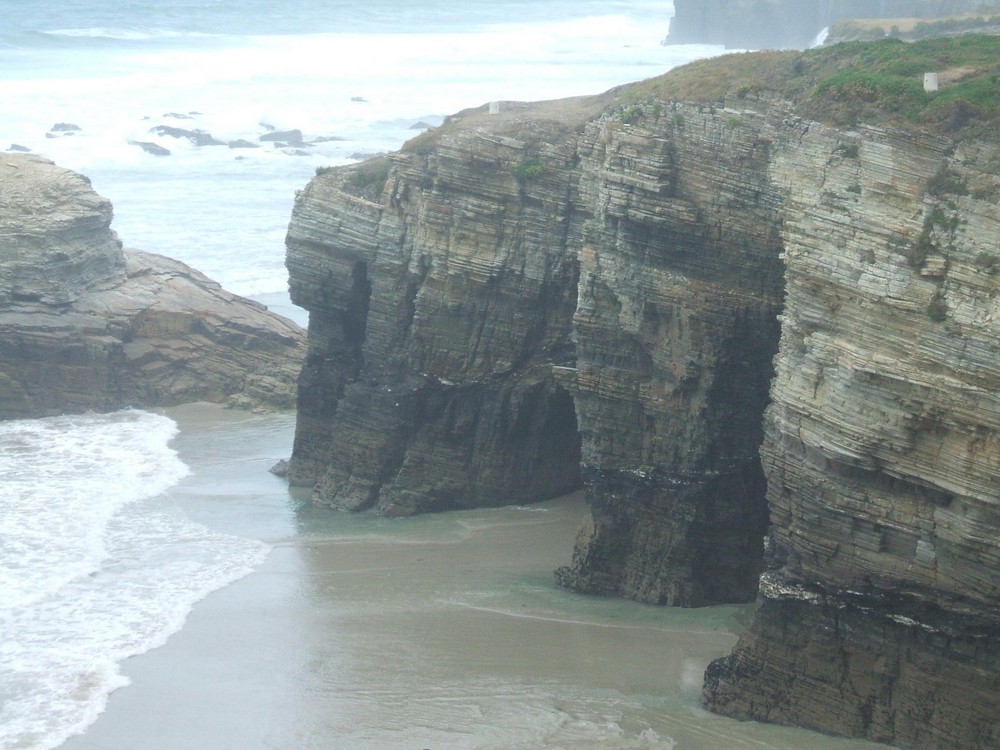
x: 286, y: 137
x: 241, y: 143
x: 151, y: 148
x: 18, y: 148
x: 197, y: 137
x: 65, y: 127
x: 86, y: 325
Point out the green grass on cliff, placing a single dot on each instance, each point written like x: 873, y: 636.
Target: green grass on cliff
x: 844, y: 84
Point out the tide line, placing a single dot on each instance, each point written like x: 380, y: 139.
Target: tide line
x: 585, y: 623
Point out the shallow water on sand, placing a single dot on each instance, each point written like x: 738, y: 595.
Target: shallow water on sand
x: 440, y: 632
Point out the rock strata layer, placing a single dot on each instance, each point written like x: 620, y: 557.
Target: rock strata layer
x: 878, y: 613
x: 85, y: 325
x: 523, y: 298
x: 598, y: 285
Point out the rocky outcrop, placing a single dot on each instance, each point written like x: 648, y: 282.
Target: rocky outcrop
x: 877, y: 615
x: 527, y: 297
x: 86, y: 325
x: 437, y: 315
x: 675, y: 329
x: 789, y: 24
x: 633, y: 259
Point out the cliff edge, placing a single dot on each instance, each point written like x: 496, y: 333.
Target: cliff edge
x: 87, y: 325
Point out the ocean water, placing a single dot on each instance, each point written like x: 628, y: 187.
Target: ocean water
x: 355, y: 79
x: 98, y: 560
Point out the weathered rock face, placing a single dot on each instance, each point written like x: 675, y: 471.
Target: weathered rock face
x: 515, y: 270
x: 789, y: 24
x: 636, y: 267
x: 436, y: 317
x: 675, y: 330
x: 86, y: 325
x: 878, y: 613
x: 57, y: 238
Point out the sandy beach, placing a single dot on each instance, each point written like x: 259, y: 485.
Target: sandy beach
x: 440, y: 632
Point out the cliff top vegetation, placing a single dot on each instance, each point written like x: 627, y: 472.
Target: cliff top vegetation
x: 879, y: 82
x: 986, y: 21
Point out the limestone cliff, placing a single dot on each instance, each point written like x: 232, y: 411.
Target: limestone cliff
x: 598, y: 282
x: 789, y: 24
x: 513, y: 266
x: 86, y: 325
x: 877, y: 615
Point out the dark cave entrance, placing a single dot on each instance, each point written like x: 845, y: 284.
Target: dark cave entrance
x: 558, y: 446
x: 543, y: 443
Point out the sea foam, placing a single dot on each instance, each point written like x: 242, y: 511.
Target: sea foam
x: 352, y: 92
x: 95, y: 566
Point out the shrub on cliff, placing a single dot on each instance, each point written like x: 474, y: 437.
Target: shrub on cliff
x: 367, y: 180
x: 529, y: 169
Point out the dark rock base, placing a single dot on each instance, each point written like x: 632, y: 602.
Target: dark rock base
x: 842, y: 667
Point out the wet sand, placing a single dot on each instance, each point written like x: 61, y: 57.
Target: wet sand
x: 439, y: 632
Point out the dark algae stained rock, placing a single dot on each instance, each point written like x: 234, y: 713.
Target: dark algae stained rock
x: 86, y: 325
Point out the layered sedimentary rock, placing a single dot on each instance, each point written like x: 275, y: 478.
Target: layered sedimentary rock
x: 878, y: 613
x: 436, y: 317
x: 86, y: 325
x: 634, y: 260
x: 675, y: 329
x: 526, y: 297
x: 789, y: 24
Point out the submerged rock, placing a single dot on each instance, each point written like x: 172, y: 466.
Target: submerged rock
x: 284, y: 137
x: 87, y: 325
